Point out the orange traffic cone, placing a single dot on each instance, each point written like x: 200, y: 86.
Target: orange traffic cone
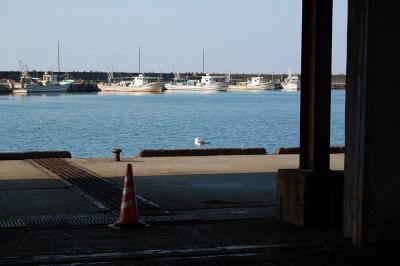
x: 129, y: 213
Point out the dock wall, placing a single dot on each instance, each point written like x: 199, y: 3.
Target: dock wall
x: 34, y: 155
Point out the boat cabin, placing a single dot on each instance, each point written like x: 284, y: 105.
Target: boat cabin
x: 141, y: 80
x: 209, y: 80
x: 49, y: 79
x: 256, y: 81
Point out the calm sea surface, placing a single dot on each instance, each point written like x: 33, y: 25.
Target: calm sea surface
x: 91, y: 125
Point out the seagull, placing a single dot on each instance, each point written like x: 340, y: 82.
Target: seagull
x: 199, y: 142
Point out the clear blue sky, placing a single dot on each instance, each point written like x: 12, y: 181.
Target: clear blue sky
x: 251, y: 36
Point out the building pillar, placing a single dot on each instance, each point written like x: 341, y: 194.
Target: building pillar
x: 311, y: 195
x: 372, y: 176
x: 315, y: 105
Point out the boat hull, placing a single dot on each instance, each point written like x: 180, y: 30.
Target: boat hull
x: 290, y: 87
x: 38, y: 89
x: 150, y: 87
x: 251, y: 87
x: 214, y: 87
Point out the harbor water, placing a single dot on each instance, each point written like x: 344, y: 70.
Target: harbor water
x: 91, y: 125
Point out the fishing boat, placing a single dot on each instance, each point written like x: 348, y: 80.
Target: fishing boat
x: 291, y: 83
x: 206, y: 83
x: 139, y: 83
x: 4, y: 86
x: 66, y: 80
x: 48, y: 83
x: 254, y: 83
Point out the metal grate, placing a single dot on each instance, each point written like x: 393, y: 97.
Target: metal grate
x: 202, y: 215
x: 64, y: 220
x: 96, y: 187
x: 12, y: 223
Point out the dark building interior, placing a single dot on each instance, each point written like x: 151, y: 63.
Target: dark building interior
x: 311, y: 195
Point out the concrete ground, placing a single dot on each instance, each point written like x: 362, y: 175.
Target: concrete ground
x: 175, y: 183
x: 171, y: 182
x: 29, y: 191
x: 203, y: 181
x: 156, y: 166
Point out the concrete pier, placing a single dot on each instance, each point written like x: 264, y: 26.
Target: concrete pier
x: 172, y: 182
x: 221, y: 210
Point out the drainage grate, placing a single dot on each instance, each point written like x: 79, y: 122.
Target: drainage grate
x: 94, y: 186
x: 69, y: 220
x: 12, y: 223
x: 64, y: 220
x: 202, y: 215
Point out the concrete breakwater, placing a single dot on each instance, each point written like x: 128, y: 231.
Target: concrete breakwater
x: 83, y: 87
x: 166, y: 152
x: 202, y: 152
x: 34, y: 155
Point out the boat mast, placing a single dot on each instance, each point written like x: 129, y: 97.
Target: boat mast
x: 139, y: 59
x: 58, y: 56
x: 203, y: 61
x: 110, y: 73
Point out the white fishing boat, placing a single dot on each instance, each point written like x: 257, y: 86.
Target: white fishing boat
x: 206, y: 83
x: 139, y: 83
x: 254, y: 83
x: 291, y: 83
x: 134, y: 84
x: 48, y: 83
